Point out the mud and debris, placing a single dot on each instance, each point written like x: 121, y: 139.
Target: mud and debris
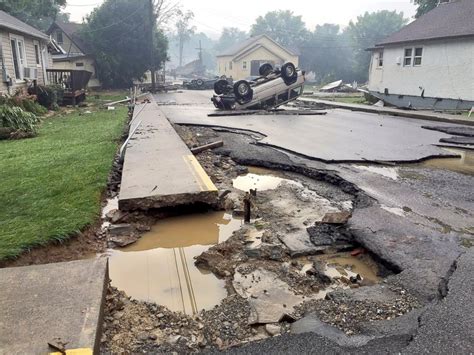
x: 296, y: 257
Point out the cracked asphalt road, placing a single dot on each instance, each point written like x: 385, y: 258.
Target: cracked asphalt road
x: 419, y: 220
x: 339, y: 136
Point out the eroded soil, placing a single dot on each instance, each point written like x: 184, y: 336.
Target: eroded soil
x: 295, y: 257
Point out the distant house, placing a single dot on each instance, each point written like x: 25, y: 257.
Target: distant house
x: 244, y: 59
x: 74, y: 53
x: 428, y: 64
x: 24, y: 54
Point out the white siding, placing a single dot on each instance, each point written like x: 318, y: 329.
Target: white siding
x: 30, y: 59
x: 447, y: 70
x: 269, y: 51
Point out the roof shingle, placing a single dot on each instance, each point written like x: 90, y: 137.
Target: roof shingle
x: 448, y: 20
x: 12, y: 23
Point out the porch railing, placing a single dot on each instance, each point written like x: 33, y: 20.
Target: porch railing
x: 72, y: 81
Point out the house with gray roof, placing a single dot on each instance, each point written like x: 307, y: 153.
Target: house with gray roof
x: 428, y: 64
x: 24, y: 55
x: 243, y: 59
x: 74, y: 53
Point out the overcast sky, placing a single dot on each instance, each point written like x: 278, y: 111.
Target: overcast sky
x: 212, y: 15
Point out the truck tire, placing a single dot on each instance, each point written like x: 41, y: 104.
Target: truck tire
x: 265, y: 69
x: 289, y: 73
x: 221, y: 86
x: 242, y: 91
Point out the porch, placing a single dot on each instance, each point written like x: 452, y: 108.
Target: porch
x: 74, y: 83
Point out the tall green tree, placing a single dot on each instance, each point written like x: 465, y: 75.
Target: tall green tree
x: 37, y: 13
x: 424, y: 6
x: 369, y: 29
x: 229, y: 37
x: 327, y: 53
x: 118, y: 33
x: 283, y: 26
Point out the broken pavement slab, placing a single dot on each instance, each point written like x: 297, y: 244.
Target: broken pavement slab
x: 60, y: 302
x: 269, y: 297
x: 159, y: 170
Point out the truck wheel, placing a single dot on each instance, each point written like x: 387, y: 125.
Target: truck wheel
x: 265, y: 69
x: 242, y: 90
x: 220, y: 86
x: 288, y: 72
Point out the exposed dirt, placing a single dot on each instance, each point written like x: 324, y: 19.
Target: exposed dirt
x: 259, y: 250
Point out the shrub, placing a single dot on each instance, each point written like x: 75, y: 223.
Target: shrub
x: 16, y: 119
x: 50, y: 96
x: 24, y: 101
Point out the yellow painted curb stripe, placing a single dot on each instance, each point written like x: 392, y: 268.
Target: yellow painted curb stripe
x: 84, y: 351
x: 200, y: 174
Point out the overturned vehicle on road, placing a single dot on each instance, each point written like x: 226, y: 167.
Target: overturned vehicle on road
x: 274, y: 87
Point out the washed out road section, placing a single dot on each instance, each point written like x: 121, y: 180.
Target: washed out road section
x: 159, y: 169
x: 339, y: 136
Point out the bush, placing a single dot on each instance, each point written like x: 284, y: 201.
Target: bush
x: 50, y: 96
x: 24, y: 101
x: 18, y: 120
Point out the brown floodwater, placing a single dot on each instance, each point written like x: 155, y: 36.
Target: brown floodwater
x: 344, y: 264
x: 464, y: 164
x: 260, y: 179
x: 160, y: 266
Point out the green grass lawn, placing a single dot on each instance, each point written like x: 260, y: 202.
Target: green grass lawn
x: 51, y: 185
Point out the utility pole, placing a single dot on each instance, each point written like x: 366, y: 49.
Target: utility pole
x: 151, y: 38
x: 201, y: 64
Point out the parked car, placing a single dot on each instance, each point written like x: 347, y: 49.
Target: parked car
x: 202, y: 84
x: 273, y: 88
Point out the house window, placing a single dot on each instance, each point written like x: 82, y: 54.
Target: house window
x: 418, y: 56
x: 380, y: 59
x: 407, y: 57
x: 244, y: 65
x: 230, y: 65
x: 59, y: 37
x: 18, y: 55
x: 37, y: 53
x: 413, y: 57
x: 79, y: 64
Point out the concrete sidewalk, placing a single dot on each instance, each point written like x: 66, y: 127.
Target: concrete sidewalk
x: 159, y: 170
x: 41, y: 303
x: 421, y: 115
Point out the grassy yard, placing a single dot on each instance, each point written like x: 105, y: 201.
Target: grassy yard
x: 51, y: 185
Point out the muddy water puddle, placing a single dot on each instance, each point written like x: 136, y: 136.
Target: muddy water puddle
x: 464, y: 164
x: 160, y: 266
x: 344, y: 270
x: 261, y: 179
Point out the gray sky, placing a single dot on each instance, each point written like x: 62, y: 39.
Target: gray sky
x: 212, y: 15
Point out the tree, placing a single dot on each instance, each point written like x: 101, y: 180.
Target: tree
x: 424, y: 6
x: 327, y: 53
x: 37, y: 13
x: 184, y: 31
x: 229, y: 37
x: 368, y: 30
x: 118, y: 33
x: 282, y: 26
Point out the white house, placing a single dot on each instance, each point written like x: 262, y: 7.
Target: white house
x: 244, y: 59
x: 24, y: 55
x: 428, y: 64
